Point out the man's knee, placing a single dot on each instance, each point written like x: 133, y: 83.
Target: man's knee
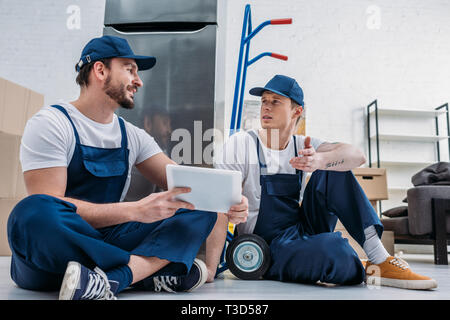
x: 203, y: 222
x: 35, y: 214
x: 35, y: 208
x: 193, y: 222
x: 324, y: 177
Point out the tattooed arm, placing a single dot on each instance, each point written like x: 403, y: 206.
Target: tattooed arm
x: 328, y: 156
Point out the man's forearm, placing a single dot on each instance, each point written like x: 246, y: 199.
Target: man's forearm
x: 343, y: 158
x: 100, y: 215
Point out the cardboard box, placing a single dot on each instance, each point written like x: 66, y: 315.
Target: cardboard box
x: 387, y: 239
x: 374, y: 204
x: 6, y: 206
x: 373, y: 181
x: 17, y: 105
x: 12, y: 184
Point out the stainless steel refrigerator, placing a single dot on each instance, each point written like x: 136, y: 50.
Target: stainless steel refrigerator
x: 182, y: 96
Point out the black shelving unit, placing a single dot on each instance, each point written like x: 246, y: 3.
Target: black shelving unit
x: 374, y: 104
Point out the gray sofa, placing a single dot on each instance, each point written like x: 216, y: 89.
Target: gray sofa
x: 427, y: 220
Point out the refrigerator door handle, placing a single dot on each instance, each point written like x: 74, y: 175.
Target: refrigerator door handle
x: 160, y: 28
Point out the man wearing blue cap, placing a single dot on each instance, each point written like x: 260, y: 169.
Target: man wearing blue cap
x: 274, y: 162
x: 73, y: 232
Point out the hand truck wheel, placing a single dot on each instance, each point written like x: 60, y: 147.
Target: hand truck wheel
x: 248, y: 257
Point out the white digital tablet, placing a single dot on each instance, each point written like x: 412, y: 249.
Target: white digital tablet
x: 211, y: 189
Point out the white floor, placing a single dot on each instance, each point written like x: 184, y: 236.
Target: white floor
x: 230, y: 288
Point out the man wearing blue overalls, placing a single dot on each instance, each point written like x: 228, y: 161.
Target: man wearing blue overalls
x: 73, y: 232
x: 303, y: 246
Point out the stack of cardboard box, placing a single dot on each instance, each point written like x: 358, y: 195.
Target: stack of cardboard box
x: 374, y: 183
x: 17, y: 105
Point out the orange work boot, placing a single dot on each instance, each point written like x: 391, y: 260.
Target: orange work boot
x: 395, y: 272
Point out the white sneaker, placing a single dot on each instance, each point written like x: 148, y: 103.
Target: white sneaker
x: 81, y: 283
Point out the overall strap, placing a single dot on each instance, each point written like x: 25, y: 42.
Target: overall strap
x: 260, y: 152
x: 296, y: 153
x: 77, y: 138
x: 124, y: 142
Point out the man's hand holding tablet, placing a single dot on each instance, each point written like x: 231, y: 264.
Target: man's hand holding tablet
x: 161, y: 205
x: 238, y: 213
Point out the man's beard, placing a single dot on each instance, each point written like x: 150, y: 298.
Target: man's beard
x: 118, y: 94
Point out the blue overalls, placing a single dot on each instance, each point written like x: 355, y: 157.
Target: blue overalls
x: 303, y: 246
x: 45, y: 233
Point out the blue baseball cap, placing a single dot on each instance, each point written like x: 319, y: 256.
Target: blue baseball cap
x: 282, y: 85
x: 112, y: 47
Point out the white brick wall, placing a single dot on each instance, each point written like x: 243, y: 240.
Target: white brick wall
x: 343, y: 65
x: 39, y: 50
x: 340, y: 62
x: 347, y: 53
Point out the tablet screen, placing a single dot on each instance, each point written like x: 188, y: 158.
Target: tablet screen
x: 213, y: 190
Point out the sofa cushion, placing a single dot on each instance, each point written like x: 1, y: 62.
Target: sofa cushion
x: 435, y: 174
x: 399, y: 225
x: 419, y: 207
x: 401, y: 211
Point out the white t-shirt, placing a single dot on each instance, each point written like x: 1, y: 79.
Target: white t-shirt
x: 49, y: 140
x: 239, y: 153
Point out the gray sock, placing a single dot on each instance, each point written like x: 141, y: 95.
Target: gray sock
x: 374, y: 249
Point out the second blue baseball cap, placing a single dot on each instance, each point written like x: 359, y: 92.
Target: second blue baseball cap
x: 282, y: 85
x: 112, y: 47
